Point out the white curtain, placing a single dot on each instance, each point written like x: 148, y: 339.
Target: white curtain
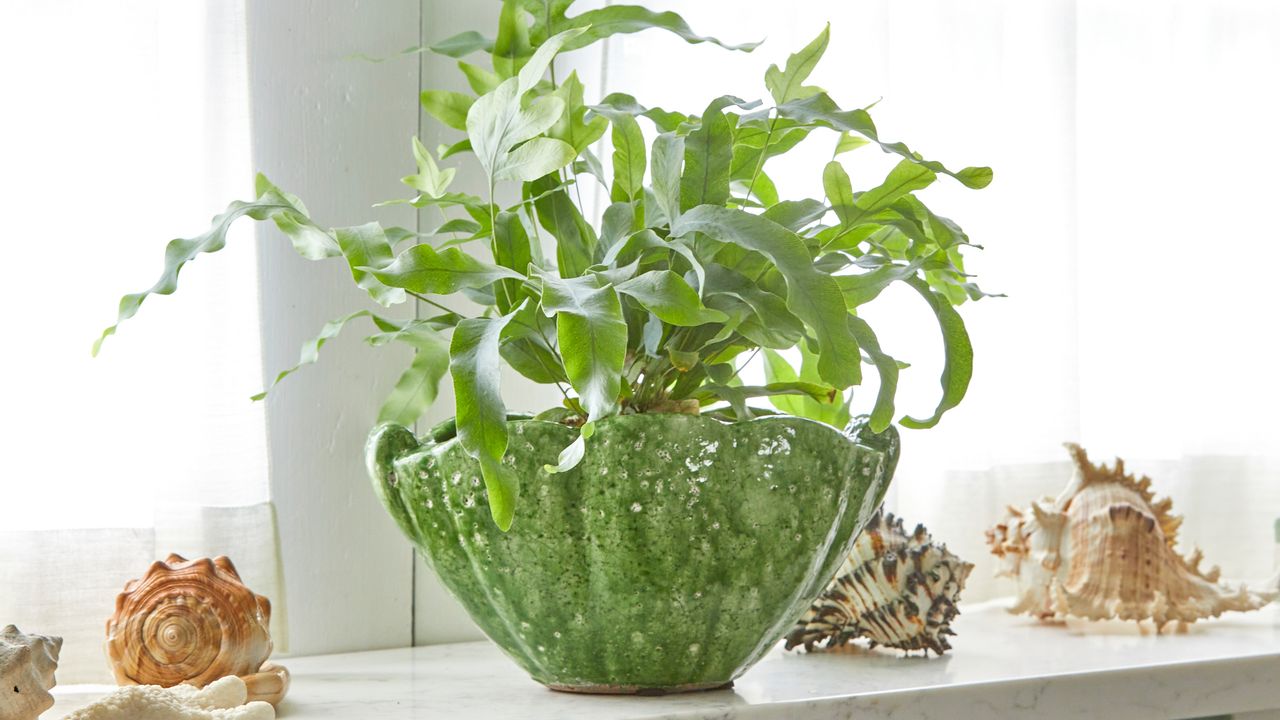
x: 125, y: 124
x: 1135, y: 151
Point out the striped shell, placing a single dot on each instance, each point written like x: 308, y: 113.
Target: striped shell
x: 893, y: 589
x: 188, y: 622
x: 27, y: 664
x: 1104, y: 549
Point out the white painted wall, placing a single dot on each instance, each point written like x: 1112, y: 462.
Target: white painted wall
x: 336, y: 132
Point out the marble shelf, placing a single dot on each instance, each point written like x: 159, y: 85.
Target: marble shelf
x: 1003, y: 667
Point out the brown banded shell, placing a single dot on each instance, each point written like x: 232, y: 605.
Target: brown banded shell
x: 894, y: 589
x: 27, y: 665
x: 188, y: 622
x: 1105, y: 549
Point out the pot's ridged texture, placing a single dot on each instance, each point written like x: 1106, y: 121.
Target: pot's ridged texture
x: 673, y: 557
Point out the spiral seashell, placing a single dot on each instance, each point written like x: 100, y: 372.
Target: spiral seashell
x: 27, y: 664
x: 894, y: 589
x: 188, y: 622
x: 1104, y: 549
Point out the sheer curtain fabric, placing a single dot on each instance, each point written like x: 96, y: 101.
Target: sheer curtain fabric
x: 131, y: 129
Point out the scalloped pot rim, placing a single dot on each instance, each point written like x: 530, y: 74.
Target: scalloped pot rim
x: 676, y: 554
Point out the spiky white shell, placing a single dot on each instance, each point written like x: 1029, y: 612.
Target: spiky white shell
x: 27, y: 665
x: 1104, y: 549
x: 893, y: 589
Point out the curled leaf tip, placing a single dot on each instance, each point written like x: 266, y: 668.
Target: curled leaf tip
x: 97, y: 344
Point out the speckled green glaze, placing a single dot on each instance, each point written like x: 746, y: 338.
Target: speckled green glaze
x: 672, y: 558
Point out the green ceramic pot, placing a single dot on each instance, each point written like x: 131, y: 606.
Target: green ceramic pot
x: 672, y: 558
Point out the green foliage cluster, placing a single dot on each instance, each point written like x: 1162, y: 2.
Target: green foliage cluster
x: 697, y: 264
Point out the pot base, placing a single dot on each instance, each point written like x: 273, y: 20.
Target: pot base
x: 639, y: 690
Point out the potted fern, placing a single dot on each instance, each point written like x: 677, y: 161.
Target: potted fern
x: 658, y: 531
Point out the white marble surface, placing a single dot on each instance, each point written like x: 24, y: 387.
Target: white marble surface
x: 1002, y: 667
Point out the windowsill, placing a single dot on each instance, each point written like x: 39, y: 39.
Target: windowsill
x: 1003, y: 666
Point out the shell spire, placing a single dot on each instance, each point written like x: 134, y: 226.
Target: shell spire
x: 27, y: 665
x: 1104, y: 549
x: 893, y: 589
x: 193, y: 622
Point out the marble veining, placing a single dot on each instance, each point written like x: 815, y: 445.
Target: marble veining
x: 1010, y: 667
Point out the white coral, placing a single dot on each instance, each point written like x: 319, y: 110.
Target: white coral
x: 221, y: 700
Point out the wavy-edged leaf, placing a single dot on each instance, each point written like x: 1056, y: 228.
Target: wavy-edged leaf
x: 887, y: 367
x: 777, y: 369
x: 526, y: 346
x: 708, y: 157
x: 665, y: 121
x: 833, y: 411
x: 573, y: 126
x: 628, y: 159
x: 619, y: 221
x: 367, y: 246
x: 666, y: 164
x: 456, y: 46
x: 446, y: 200
x: 475, y: 364
x: 424, y: 270
x: 835, y: 182
x: 498, y: 121
x: 430, y: 180
x: 512, y: 47
x: 906, y: 177
x: 535, y: 158
x: 549, y: 18
x: 419, y: 385
x: 812, y: 295
x: 409, y: 332
x: 575, y: 238
x: 771, y: 324
x: 943, y: 232
x: 511, y: 249
x: 461, y: 45
x: 863, y: 288
x: 737, y: 396
x: 448, y: 107
x: 480, y: 80
x: 683, y: 361
x: 289, y: 214
x: 308, y: 239
x: 821, y: 110
x: 447, y: 151
x: 573, y: 454
x: 310, y: 352
x: 788, y: 84
x: 957, y: 369
x: 668, y: 296
x: 593, y: 338
x: 796, y: 215
x: 849, y: 142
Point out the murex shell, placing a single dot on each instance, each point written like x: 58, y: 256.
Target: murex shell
x: 893, y: 589
x: 193, y: 622
x: 27, y: 664
x: 1104, y: 549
